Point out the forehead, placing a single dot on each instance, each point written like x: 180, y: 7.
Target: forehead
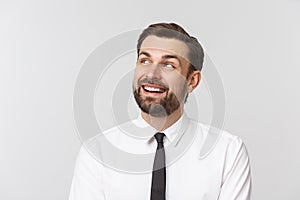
x: 169, y: 45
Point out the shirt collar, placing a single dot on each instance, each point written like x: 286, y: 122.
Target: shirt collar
x: 173, y: 133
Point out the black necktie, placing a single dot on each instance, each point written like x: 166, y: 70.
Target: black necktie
x: 158, y: 188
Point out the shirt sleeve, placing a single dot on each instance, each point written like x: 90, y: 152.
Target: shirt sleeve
x: 87, y: 183
x: 236, y: 184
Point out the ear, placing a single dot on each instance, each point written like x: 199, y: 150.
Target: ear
x: 194, y: 80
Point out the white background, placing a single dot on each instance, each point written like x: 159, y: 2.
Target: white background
x: 254, y: 44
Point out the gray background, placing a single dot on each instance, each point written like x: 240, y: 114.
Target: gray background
x: 254, y: 45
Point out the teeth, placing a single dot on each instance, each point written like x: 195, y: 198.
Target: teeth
x: 152, y: 89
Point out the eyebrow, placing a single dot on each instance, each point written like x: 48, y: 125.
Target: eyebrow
x: 163, y: 57
x: 144, y: 53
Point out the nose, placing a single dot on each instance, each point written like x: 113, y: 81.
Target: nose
x: 154, y: 71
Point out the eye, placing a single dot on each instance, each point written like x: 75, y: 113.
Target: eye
x: 144, y: 61
x: 169, y: 66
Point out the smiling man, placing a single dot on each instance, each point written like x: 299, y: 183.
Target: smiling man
x: 167, y: 69
x: 162, y: 79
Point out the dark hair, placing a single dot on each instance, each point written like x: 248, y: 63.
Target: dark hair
x: 174, y: 31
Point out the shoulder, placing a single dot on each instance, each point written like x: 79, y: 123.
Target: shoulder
x: 216, y: 139
x: 109, y: 134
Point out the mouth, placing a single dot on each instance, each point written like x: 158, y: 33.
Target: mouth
x: 153, y: 89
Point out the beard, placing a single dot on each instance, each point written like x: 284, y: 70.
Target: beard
x: 162, y: 107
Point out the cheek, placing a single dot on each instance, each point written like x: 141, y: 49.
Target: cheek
x: 140, y: 70
x: 138, y: 73
x: 178, y: 87
x: 176, y: 82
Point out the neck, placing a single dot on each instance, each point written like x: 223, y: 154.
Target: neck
x: 162, y: 123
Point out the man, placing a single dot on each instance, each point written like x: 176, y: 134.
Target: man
x: 162, y: 151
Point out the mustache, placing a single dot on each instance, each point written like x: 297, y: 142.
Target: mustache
x: 152, y: 81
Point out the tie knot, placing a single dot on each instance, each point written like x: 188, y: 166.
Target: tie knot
x: 159, y: 137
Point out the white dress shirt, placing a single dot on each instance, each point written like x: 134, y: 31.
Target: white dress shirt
x: 202, y: 163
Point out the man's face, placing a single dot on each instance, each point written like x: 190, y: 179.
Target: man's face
x: 160, y: 79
